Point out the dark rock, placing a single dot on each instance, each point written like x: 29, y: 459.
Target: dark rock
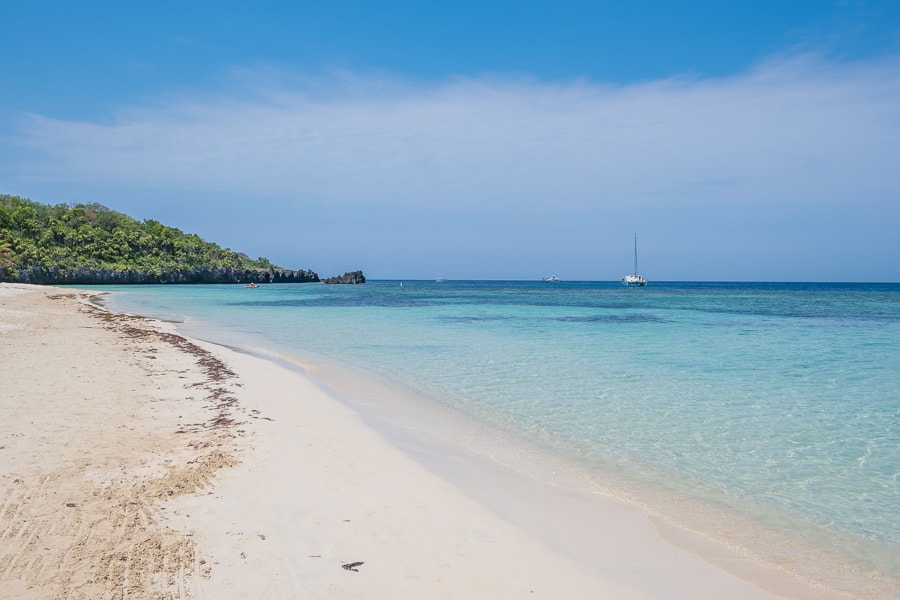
x: 354, y: 277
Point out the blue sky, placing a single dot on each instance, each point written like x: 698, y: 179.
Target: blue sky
x: 740, y: 140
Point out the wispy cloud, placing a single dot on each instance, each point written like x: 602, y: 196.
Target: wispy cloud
x: 795, y: 157
x: 797, y: 129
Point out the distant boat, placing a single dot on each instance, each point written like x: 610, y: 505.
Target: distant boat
x: 551, y: 279
x: 251, y: 285
x: 440, y: 280
x: 634, y: 279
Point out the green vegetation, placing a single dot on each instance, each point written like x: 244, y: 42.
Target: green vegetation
x: 67, y: 238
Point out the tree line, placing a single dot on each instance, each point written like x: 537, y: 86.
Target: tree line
x: 90, y: 236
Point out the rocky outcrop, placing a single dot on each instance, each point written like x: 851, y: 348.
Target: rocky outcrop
x: 354, y: 277
x: 97, y: 276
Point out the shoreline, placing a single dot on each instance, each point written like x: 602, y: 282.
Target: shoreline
x: 298, y: 484
x: 770, y: 554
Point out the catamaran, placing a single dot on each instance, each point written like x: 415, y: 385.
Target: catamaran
x: 634, y: 278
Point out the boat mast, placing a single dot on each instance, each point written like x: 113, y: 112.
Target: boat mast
x: 635, y: 253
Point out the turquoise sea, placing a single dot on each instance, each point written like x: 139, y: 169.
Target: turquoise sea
x: 769, y: 404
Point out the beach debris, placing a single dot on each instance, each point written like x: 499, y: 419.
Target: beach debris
x: 352, y: 566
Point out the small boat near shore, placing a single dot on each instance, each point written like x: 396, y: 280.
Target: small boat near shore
x: 634, y: 280
x: 251, y: 286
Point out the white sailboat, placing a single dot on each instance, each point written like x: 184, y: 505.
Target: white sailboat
x: 634, y: 279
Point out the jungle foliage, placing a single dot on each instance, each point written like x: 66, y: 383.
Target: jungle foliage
x: 90, y: 235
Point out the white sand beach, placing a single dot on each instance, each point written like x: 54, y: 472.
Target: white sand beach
x: 135, y: 463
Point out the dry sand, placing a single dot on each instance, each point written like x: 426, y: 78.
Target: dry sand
x: 135, y: 463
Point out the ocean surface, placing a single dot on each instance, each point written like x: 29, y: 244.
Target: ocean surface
x: 774, y: 404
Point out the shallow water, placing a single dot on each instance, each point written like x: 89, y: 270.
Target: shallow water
x: 779, y: 402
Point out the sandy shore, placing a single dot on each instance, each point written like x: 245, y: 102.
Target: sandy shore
x: 137, y: 463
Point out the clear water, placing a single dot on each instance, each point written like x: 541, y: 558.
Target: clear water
x: 778, y: 401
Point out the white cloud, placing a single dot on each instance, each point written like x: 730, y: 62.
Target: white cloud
x: 795, y: 129
x: 787, y: 172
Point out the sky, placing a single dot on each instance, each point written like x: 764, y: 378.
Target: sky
x: 741, y: 141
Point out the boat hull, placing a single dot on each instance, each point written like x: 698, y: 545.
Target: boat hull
x: 634, y: 281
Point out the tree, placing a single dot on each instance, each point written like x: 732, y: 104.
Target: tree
x: 6, y: 254
x: 67, y: 238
